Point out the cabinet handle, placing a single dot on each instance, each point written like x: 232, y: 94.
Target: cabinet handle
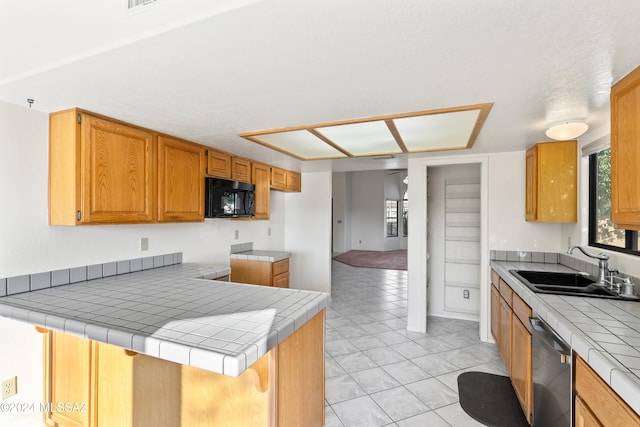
x: 41, y: 330
x: 130, y: 353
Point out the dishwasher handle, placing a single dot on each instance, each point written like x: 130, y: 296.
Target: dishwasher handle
x: 551, y: 339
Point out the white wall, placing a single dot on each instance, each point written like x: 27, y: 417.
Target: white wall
x: 29, y: 245
x: 367, y: 210
x: 341, y: 212
x: 308, y: 232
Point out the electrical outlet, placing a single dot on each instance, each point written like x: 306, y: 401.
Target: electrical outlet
x: 144, y: 244
x: 269, y: 231
x: 9, y: 387
x: 237, y: 234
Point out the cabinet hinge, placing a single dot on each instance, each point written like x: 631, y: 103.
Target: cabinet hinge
x: 78, y: 215
x: 79, y: 118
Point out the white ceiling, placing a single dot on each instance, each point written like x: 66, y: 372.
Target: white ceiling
x: 208, y: 70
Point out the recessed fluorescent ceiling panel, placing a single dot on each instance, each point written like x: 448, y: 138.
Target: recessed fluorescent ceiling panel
x: 432, y: 130
x: 362, y: 139
x: 302, y: 143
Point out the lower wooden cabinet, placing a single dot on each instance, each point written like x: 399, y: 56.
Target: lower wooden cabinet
x: 115, y: 387
x: 596, y: 404
x: 261, y: 272
x: 510, y: 328
x: 69, y: 366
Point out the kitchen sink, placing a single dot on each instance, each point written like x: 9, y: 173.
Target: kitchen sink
x: 579, y: 284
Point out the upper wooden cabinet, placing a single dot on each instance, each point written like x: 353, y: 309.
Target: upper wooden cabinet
x: 100, y: 171
x: 260, y: 178
x: 181, y: 166
x: 552, y: 182
x: 625, y: 152
x: 285, y: 180
x: 240, y: 169
x: 218, y: 164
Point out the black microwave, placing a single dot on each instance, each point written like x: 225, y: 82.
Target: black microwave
x: 228, y: 199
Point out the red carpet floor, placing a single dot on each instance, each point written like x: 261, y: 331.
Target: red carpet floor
x: 390, y: 260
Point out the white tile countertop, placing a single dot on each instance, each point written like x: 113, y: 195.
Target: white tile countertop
x: 271, y: 256
x: 604, y: 332
x: 173, y: 313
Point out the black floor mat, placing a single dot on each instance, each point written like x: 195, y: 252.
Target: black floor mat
x: 490, y: 399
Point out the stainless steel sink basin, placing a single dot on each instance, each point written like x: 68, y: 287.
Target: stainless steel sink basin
x: 579, y: 284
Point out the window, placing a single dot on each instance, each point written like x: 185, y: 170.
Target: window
x: 602, y: 233
x: 405, y: 214
x: 392, y: 218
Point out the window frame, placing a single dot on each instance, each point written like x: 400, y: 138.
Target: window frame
x: 630, y: 236
x: 387, y: 218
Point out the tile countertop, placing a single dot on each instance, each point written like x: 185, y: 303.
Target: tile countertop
x: 172, y: 313
x: 604, y: 332
x: 271, y: 256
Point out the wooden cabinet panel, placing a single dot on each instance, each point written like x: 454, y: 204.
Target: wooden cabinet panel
x: 506, y: 292
x: 181, y: 167
x: 240, y: 169
x: 521, y: 310
x: 251, y: 271
x: 261, y: 272
x: 100, y: 171
x: 68, y: 378
x: 281, y: 266
x: 285, y: 180
x: 281, y: 280
x: 521, y: 365
x: 278, y: 179
x: 495, y: 314
x: 301, y: 376
x: 583, y: 415
x: 218, y: 164
x: 603, y: 403
x: 260, y: 174
x: 505, y: 333
x: 552, y: 182
x: 625, y: 152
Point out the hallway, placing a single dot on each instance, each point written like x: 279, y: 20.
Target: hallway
x: 377, y: 373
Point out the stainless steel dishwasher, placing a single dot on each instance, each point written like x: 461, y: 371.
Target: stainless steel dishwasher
x: 552, y: 383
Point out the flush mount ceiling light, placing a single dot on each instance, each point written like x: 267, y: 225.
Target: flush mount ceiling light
x: 567, y: 130
x: 432, y: 130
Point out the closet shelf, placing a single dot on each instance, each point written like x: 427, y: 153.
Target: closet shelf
x: 462, y: 261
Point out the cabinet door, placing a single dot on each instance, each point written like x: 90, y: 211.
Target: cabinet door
x: 294, y: 182
x: 531, y: 211
x: 180, y: 180
x: 252, y: 271
x: 552, y: 182
x: 584, y: 416
x: 605, y: 405
x: 68, y: 378
x: 495, y: 314
x: 281, y: 280
x: 521, y: 365
x: 278, y: 179
x: 117, y: 177
x: 240, y: 169
x: 625, y: 152
x: 260, y: 174
x: 505, y: 334
x: 218, y: 164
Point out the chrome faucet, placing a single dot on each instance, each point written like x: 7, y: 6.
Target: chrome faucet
x: 603, y: 264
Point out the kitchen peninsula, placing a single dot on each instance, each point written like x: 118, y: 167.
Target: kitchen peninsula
x: 156, y: 341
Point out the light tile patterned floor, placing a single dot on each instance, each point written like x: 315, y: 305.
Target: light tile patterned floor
x: 377, y: 373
